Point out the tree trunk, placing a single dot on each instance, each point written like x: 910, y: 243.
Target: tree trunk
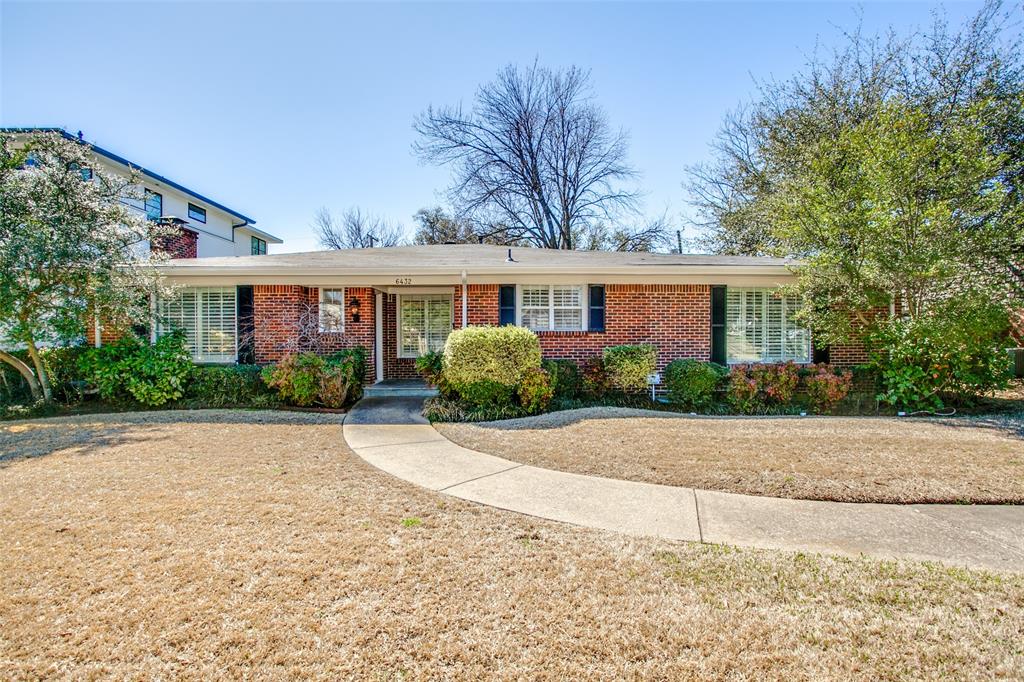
x: 41, y: 373
x: 26, y: 372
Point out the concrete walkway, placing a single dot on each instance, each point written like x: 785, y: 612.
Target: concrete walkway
x: 392, y: 435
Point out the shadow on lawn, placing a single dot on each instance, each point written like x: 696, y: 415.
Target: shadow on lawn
x: 92, y: 433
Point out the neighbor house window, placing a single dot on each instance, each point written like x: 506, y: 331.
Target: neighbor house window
x: 197, y: 213
x: 761, y: 327
x: 332, y: 309
x: 154, y: 205
x: 547, y: 307
x: 259, y: 246
x: 84, y: 171
x: 207, y: 316
x: 424, y: 322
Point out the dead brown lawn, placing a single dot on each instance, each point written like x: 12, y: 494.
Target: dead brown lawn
x: 234, y: 544
x: 852, y: 459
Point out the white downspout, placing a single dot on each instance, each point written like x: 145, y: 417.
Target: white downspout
x: 97, y: 330
x: 465, y: 301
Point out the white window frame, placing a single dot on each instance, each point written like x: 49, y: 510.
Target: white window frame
x: 584, y: 307
x: 400, y: 337
x: 785, y: 315
x: 320, y: 310
x: 196, y: 351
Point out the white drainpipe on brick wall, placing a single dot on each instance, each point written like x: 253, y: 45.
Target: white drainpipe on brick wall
x: 465, y: 301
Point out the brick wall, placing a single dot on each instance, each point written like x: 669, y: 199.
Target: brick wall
x: 183, y: 244
x: 676, y: 318
x: 286, y: 321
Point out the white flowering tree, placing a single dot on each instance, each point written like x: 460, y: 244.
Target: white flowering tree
x: 71, y: 247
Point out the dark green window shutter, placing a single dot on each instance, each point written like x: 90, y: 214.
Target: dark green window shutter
x: 597, y: 308
x: 245, y: 326
x: 506, y: 304
x: 819, y: 354
x: 718, y: 324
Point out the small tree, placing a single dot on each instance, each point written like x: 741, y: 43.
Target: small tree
x: 70, y: 248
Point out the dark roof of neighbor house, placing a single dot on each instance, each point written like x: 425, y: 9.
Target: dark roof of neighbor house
x: 125, y: 162
x: 474, y: 258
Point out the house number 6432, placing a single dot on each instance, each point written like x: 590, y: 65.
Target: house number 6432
x: 403, y: 280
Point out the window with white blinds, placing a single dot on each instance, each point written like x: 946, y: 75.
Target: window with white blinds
x: 760, y: 327
x: 424, y: 322
x: 332, y: 310
x: 547, y: 307
x: 207, y: 316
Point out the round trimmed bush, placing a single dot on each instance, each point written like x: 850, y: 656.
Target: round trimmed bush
x: 501, y: 355
x: 629, y: 366
x: 692, y: 383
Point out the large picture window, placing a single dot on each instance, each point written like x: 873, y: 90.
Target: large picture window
x: 424, y: 322
x: 551, y: 307
x: 207, y: 316
x: 760, y: 327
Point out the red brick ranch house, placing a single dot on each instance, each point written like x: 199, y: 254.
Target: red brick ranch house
x: 401, y: 302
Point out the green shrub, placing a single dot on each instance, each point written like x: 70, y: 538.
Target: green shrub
x: 498, y: 354
x: 430, y: 366
x: 486, y: 393
x: 956, y: 350
x: 776, y: 382
x: 306, y: 379
x: 227, y: 386
x: 827, y: 387
x: 692, y: 383
x: 132, y: 370
x: 565, y: 377
x: 62, y: 367
x: 535, y: 391
x: 296, y: 378
x: 629, y: 366
x: 596, y: 382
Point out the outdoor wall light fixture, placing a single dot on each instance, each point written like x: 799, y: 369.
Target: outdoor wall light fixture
x: 353, y: 308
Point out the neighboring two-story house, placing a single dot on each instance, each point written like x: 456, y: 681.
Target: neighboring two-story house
x: 208, y: 228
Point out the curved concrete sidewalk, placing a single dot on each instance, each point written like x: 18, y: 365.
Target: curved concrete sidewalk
x: 392, y: 435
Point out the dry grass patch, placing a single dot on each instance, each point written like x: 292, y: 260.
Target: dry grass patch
x: 848, y: 459
x: 231, y: 544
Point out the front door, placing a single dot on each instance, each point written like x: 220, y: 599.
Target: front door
x: 424, y: 322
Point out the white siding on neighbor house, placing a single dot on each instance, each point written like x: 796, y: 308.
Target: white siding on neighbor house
x: 216, y: 236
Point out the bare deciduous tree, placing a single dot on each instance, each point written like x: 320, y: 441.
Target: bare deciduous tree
x: 535, y: 156
x: 356, y: 229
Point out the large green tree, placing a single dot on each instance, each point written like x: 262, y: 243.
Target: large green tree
x: 71, y: 246
x: 893, y: 167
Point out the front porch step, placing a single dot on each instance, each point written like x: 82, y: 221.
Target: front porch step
x: 399, y: 388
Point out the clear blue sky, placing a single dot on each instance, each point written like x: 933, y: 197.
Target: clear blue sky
x: 278, y: 109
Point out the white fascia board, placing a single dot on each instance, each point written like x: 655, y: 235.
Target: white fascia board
x: 737, y: 275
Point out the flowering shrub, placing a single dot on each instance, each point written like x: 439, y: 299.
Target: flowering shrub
x: 306, y: 379
x: 827, y: 387
x: 535, y: 391
x: 777, y: 383
x: 596, y: 382
x: 742, y: 390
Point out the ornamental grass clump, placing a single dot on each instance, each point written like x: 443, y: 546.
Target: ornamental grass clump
x: 629, y: 366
